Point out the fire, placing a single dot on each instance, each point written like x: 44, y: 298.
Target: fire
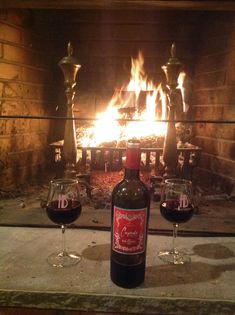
x: 138, y: 81
x: 181, y: 79
x: 141, y: 101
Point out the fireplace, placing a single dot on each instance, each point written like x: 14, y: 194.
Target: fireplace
x: 138, y: 110
x: 105, y: 39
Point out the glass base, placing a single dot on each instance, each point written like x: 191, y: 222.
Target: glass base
x: 64, y: 259
x: 174, y: 257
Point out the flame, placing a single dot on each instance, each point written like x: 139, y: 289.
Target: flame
x: 181, y: 79
x: 138, y: 81
x: 126, y: 103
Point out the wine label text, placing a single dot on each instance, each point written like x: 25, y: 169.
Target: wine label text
x: 129, y: 230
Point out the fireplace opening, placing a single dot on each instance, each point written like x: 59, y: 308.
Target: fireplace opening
x: 121, y: 53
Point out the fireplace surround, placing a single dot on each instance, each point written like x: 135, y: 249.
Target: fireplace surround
x: 105, y: 37
x: 106, y: 34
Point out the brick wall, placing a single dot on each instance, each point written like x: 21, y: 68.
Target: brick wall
x: 214, y: 97
x: 24, y: 90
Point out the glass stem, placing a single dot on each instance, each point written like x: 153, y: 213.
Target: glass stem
x: 175, y: 231
x: 63, y: 239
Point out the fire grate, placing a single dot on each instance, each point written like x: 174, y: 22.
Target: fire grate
x: 112, y: 158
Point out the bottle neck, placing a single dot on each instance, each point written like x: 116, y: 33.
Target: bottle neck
x: 132, y: 167
x: 132, y: 174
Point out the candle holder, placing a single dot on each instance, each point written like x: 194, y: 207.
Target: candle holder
x: 172, y: 70
x: 69, y: 67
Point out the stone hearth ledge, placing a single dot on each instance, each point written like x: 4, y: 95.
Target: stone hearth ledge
x: 206, y: 286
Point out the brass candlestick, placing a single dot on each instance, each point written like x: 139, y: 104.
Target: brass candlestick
x: 172, y: 70
x: 69, y: 67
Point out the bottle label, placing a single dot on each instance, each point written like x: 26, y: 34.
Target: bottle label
x: 129, y: 230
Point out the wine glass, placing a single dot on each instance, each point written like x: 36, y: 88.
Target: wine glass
x: 176, y: 206
x: 63, y: 207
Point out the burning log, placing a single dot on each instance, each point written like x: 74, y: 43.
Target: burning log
x: 127, y: 112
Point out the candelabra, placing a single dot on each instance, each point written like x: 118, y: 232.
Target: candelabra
x: 69, y: 67
x: 172, y: 70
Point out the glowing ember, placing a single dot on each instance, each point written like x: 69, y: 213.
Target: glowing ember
x: 141, y: 101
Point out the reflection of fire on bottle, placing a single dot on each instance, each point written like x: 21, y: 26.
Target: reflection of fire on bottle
x: 184, y: 202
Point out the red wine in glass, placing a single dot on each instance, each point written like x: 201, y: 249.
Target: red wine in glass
x: 66, y: 215
x: 171, y: 212
x: 63, y: 207
x: 176, y: 206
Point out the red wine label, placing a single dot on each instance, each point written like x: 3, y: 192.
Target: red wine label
x: 133, y: 159
x: 129, y: 230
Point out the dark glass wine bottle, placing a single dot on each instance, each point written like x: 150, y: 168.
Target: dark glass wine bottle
x: 129, y: 226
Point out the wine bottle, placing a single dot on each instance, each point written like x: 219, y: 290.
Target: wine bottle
x: 129, y: 226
